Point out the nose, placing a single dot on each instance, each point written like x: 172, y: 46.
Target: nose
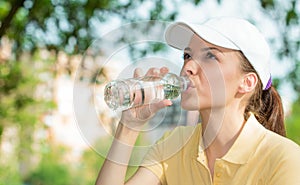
x: 190, y: 68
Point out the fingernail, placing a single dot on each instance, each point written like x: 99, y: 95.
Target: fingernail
x: 156, y: 71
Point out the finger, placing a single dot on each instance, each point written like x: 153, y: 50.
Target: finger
x: 164, y: 70
x: 160, y: 105
x: 138, y: 72
x: 153, y: 72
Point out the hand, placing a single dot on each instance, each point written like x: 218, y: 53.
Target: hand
x: 136, y: 117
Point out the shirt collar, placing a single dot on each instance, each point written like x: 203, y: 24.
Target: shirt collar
x: 246, y: 143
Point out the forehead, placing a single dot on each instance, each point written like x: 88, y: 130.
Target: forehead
x: 197, y: 43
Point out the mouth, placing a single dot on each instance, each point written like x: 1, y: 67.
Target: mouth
x: 190, y: 85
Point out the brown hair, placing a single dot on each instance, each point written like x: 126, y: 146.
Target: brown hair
x: 266, y: 105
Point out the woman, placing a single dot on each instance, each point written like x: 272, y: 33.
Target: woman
x: 240, y: 140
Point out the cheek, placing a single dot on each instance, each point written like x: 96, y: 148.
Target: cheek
x: 215, y: 82
x: 232, y: 82
x: 220, y: 85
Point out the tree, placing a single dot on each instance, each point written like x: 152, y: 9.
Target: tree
x: 68, y: 25
x: 287, y: 17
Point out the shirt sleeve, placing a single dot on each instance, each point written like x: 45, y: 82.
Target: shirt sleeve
x: 160, y: 154
x: 153, y: 161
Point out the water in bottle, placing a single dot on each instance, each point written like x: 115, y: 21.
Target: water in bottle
x: 128, y: 93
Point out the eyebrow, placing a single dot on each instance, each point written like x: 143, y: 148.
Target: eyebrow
x: 204, y: 49
x: 187, y: 49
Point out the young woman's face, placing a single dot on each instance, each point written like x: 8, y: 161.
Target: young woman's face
x: 215, y: 75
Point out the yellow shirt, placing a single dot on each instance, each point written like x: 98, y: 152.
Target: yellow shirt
x: 258, y: 156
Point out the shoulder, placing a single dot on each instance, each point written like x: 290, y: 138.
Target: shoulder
x: 284, y: 159
x: 280, y: 143
x: 282, y: 151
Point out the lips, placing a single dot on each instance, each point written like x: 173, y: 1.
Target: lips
x: 190, y: 85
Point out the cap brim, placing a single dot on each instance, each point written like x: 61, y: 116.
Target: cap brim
x: 178, y: 35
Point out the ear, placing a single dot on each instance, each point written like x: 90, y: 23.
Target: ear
x: 248, y: 83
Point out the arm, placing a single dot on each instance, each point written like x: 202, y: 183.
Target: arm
x: 118, y: 153
x: 122, y: 154
x: 114, y: 168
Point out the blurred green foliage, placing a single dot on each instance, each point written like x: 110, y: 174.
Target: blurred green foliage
x: 93, y: 159
x: 52, y: 168
x: 9, y: 174
x: 293, y: 123
x: 286, y: 15
x: 69, y: 26
x: 21, y: 108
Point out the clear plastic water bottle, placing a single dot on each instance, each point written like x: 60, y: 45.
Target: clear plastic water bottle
x: 128, y: 93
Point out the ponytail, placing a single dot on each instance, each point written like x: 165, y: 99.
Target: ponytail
x: 266, y: 105
x: 270, y: 111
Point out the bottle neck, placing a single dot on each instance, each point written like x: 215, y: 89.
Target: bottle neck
x: 184, y: 81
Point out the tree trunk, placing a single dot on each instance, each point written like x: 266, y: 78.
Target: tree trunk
x: 7, y: 20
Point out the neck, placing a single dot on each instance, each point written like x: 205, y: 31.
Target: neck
x: 221, y: 128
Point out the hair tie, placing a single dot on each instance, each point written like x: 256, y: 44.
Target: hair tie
x: 269, y: 84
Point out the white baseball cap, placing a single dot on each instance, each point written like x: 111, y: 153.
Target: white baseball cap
x: 227, y: 32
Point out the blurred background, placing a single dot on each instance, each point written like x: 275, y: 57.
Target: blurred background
x: 42, y: 46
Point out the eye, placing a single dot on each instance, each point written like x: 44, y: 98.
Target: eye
x: 186, y: 56
x: 210, y: 55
